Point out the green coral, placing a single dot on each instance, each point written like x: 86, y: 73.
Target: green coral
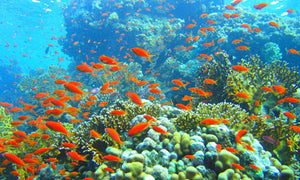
x: 190, y: 120
x: 259, y: 74
x: 5, y: 126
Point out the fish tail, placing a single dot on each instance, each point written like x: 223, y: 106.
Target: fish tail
x: 149, y: 58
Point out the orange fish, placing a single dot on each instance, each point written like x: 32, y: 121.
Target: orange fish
x: 179, y: 83
x: 274, y: 24
x: 293, y: 51
x: 114, y: 135
x: 182, y: 106
x: 257, y: 30
x: 103, y: 104
x: 190, y: 26
x: 239, y: 135
x: 69, y: 145
x: 112, y: 158
x: 242, y: 95
x: 209, y: 81
x: 118, y: 112
x: 135, y: 99
x: 95, y: 134
x: 230, y: 7
x: 24, y: 118
x: 108, y: 60
x: 261, y: 6
x: 289, y: 115
x: 14, y: 159
x: 219, y: 148
x: 41, y: 150
x: 158, y: 129
x: 254, y: 167
x: 74, y: 89
x: 292, y: 100
x: 75, y: 156
x: 190, y: 156
x: 242, y: 48
x: 238, y: 166
x: 210, y: 121
x: 84, y: 68
x: 236, y: 2
x: 187, y: 98
x: 57, y: 126
x: 296, y: 129
x: 231, y: 150
x: 279, y: 89
x: 149, y: 118
x: 155, y: 91
x: 138, y: 128
x: 141, y: 52
x: 41, y: 95
x: 239, y: 68
x: 109, y: 169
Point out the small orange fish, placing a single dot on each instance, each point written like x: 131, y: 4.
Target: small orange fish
x: 158, y: 129
x: 103, y: 104
x: 141, y: 52
x: 296, y: 129
x: 118, y: 112
x: 236, y: 2
x: 149, y: 118
x: 135, y: 99
x: 155, y: 91
x: 112, y: 158
x: 242, y: 48
x: 57, y: 126
x: 238, y: 166
x: 190, y: 156
x: 69, y: 145
x: 14, y: 159
x: 209, y: 81
x: 289, y: 115
x: 239, y: 135
x: 254, y: 167
x: 179, y: 83
x: 189, y: 26
x: 184, y: 107
x: 231, y: 150
x: 219, y: 148
x: 292, y: 100
x: 95, y: 134
x: 75, y: 156
x: 138, y: 128
x: 274, y: 24
x: 239, y: 68
x: 109, y: 169
x: 210, y: 121
x: 42, y: 150
x: 279, y: 89
x: 108, y: 60
x: 293, y: 51
x: 242, y: 95
x: 114, y: 135
x: 72, y: 88
x: 261, y: 6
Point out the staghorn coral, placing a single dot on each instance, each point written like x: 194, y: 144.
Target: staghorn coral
x: 89, y: 145
x: 216, y: 69
x: 190, y: 120
x: 259, y: 74
x: 5, y: 126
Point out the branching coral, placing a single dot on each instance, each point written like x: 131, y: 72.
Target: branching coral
x: 190, y: 120
x: 259, y: 74
x: 87, y: 144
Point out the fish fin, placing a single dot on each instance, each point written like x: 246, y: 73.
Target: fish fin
x: 149, y: 57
